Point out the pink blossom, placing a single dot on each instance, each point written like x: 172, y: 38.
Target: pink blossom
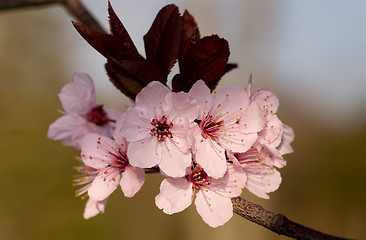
x: 93, y: 208
x: 212, y: 200
x: 158, y: 129
x: 271, y: 135
x: 288, y: 137
x: 83, y: 114
x: 259, y: 164
x: 108, y: 159
x: 220, y: 128
x: 85, y: 178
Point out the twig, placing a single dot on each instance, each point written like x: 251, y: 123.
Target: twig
x: 277, y: 223
x: 73, y: 6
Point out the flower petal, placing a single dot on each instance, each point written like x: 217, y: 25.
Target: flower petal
x: 152, y: 97
x: 78, y: 97
x: 252, y: 120
x: 93, y: 208
x: 91, y: 152
x: 266, y: 99
x: 211, y: 157
x: 173, y: 162
x: 175, y: 195
x: 288, y: 136
x: 134, y: 125
x: 144, y: 153
x: 262, y: 180
x: 132, y: 180
x: 65, y: 127
x: 214, y: 209
x: 180, y: 106
x: 202, y: 94
x: 102, y: 187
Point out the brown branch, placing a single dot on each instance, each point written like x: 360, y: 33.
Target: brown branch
x: 73, y: 6
x: 277, y: 223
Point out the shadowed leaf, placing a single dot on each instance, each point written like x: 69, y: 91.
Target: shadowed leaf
x: 206, y: 60
x: 189, y: 36
x: 122, y: 81
x: 118, y: 31
x: 162, y: 39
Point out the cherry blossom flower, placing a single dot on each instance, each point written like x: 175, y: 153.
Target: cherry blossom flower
x: 259, y: 164
x: 288, y: 137
x: 158, y: 129
x: 220, y: 128
x: 83, y: 114
x: 212, y: 200
x: 108, y: 159
x: 271, y: 135
x: 85, y: 178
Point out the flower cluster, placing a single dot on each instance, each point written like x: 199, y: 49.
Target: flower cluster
x: 209, y: 146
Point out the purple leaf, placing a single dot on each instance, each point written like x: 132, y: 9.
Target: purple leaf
x: 162, y: 40
x: 189, y: 36
x: 206, y: 60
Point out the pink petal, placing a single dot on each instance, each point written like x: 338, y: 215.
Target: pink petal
x: 238, y: 142
x: 152, y: 97
x: 252, y: 120
x: 248, y: 89
x: 230, y: 102
x: 173, y: 162
x: 214, y: 209
x: 180, y: 106
x: 78, y: 97
x: 94, y: 207
x: 211, y: 157
x: 65, y: 127
x: 102, y: 187
x: 144, y: 153
x: 134, y: 125
x: 262, y: 181
x: 231, y: 184
x: 175, y: 195
x: 132, y: 180
x: 266, y: 99
x: 288, y: 136
x: 272, y: 134
x: 91, y: 152
x: 202, y: 94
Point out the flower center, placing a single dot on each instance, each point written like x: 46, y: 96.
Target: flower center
x: 98, y: 116
x: 198, y: 177
x: 210, y: 128
x: 161, y: 129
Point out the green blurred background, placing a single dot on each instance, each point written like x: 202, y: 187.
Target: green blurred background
x: 311, y: 56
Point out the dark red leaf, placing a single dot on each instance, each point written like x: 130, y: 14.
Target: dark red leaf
x: 180, y: 84
x: 162, y: 40
x: 120, y: 33
x: 230, y: 66
x: 189, y: 36
x: 107, y: 45
x: 206, y: 60
x: 141, y: 71
x: 123, y: 81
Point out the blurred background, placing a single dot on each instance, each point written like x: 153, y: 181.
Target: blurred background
x: 312, y: 54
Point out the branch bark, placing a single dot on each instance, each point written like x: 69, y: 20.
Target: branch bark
x: 75, y: 7
x: 277, y: 223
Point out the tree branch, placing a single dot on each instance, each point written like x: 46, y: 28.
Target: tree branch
x: 277, y: 223
x: 75, y: 7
